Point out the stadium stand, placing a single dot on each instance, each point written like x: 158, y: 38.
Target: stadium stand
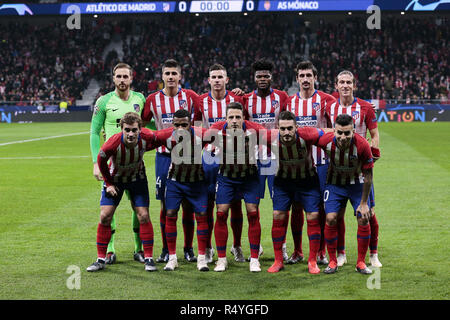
x: 406, y: 60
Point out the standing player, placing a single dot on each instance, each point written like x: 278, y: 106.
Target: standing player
x: 185, y: 181
x: 309, y: 106
x: 263, y: 106
x: 108, y: 111
x: 365, y: 120
x: 238, y: 176
x: 161, y: 106
x: 296, y: 180
x: 349, y: 178
x: 126, y: 171
x: 211, y: 108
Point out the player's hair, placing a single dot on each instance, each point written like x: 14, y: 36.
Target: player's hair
x: 182, y: 113
x: 306, y: 65
x: 343, y: 72
x: 215, y: 67
x: 131, y: 118
x: 344, y: 120
x: 262, y: 64
x: 234, y: 105
x: 122, y: 65
x: 171, y: 63
x: 286, y: 115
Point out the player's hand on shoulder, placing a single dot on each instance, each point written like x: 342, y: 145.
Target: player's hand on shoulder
x: 97, y: 173
x: 238, y: 91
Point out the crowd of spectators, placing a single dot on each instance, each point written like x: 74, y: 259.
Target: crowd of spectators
x: 405, y: 60
x: 43, y: 64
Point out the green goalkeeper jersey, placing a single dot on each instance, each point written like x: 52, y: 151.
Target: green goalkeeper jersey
x: 108, y: 111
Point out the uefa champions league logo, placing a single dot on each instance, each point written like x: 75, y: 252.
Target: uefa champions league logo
x: 20, y: 8
x: 416, y: 6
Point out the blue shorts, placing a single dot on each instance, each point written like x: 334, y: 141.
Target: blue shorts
x: 288, y: 191
x: 211, y: 170
x: 322, y: 170
x: 266, y: 172
x: 162, y: 164
x: 194, y: 192
x: 137, y: 192
x: 229, y: 189
x: 335, y: 196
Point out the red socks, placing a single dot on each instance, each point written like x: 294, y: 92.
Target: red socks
x: 341, y: 235
x: 373, y: 245
x: 162, y: 224
x: 202, y: 233
x: 210, y: 215
x: 236, y: 222
x: 103, y: 238
x: 254, y: 233
x: 146, y: 235
x: 221, y: 233
x: 188, y: 221
x: 297, y: 221
x: 171, y: 234
x: 314, y: 235
x: 278, y: 237
x: 331, y: 241
x: 363, y: 237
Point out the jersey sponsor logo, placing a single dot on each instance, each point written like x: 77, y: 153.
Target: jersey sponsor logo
x: 310, y: 121
x: 355, y: 115
x: 211, y: 120
x: 264, y: 117
x: 316, y: 106
x: 183, y: 104
x: 137, y: 107
x: 167, y: 118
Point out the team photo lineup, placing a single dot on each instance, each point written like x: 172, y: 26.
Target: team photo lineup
x: 225, y: 153
x: 311, y: 148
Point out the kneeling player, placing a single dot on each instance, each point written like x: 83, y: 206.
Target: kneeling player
x: 349, y: 178
x: 185, y: 181
x: 296, y: 180
x: 126, y: 171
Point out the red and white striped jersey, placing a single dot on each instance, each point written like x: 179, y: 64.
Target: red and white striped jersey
x: 311, y: 112
x: 296, y: 161
x: 126, y: 165
x: 209, y: 111
x: 264, y: 111
x: 346, y: 166
x: 188, y: 167
x: 360, y: 110
x: 230, y: 165
x: 162, y: 107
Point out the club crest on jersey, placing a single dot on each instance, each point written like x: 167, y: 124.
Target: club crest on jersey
x: 137, y: 107
x: 275, y: 104
x: 355, y: 115
x: 316, y: 106
x: 183, y: 104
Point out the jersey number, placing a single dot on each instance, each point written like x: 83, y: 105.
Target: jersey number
x: 326, y: 194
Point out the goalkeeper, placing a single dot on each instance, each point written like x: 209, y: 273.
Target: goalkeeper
x: 108, y: 111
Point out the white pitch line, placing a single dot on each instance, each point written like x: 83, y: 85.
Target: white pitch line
x: 43, y: 158
x: 43, y: 138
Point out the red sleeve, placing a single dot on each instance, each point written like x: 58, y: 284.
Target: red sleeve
x: 107, y: 151
x: 150, y: 138
x: 161, y: 136
x: 325, y: 139
x: 364, y: 153
x: 310, y: 135
x: 147, y: 113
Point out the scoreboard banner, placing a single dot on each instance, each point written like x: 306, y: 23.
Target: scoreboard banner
x: 219, y: 6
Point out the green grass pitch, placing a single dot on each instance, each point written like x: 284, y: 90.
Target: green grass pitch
x: 49, y: 210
